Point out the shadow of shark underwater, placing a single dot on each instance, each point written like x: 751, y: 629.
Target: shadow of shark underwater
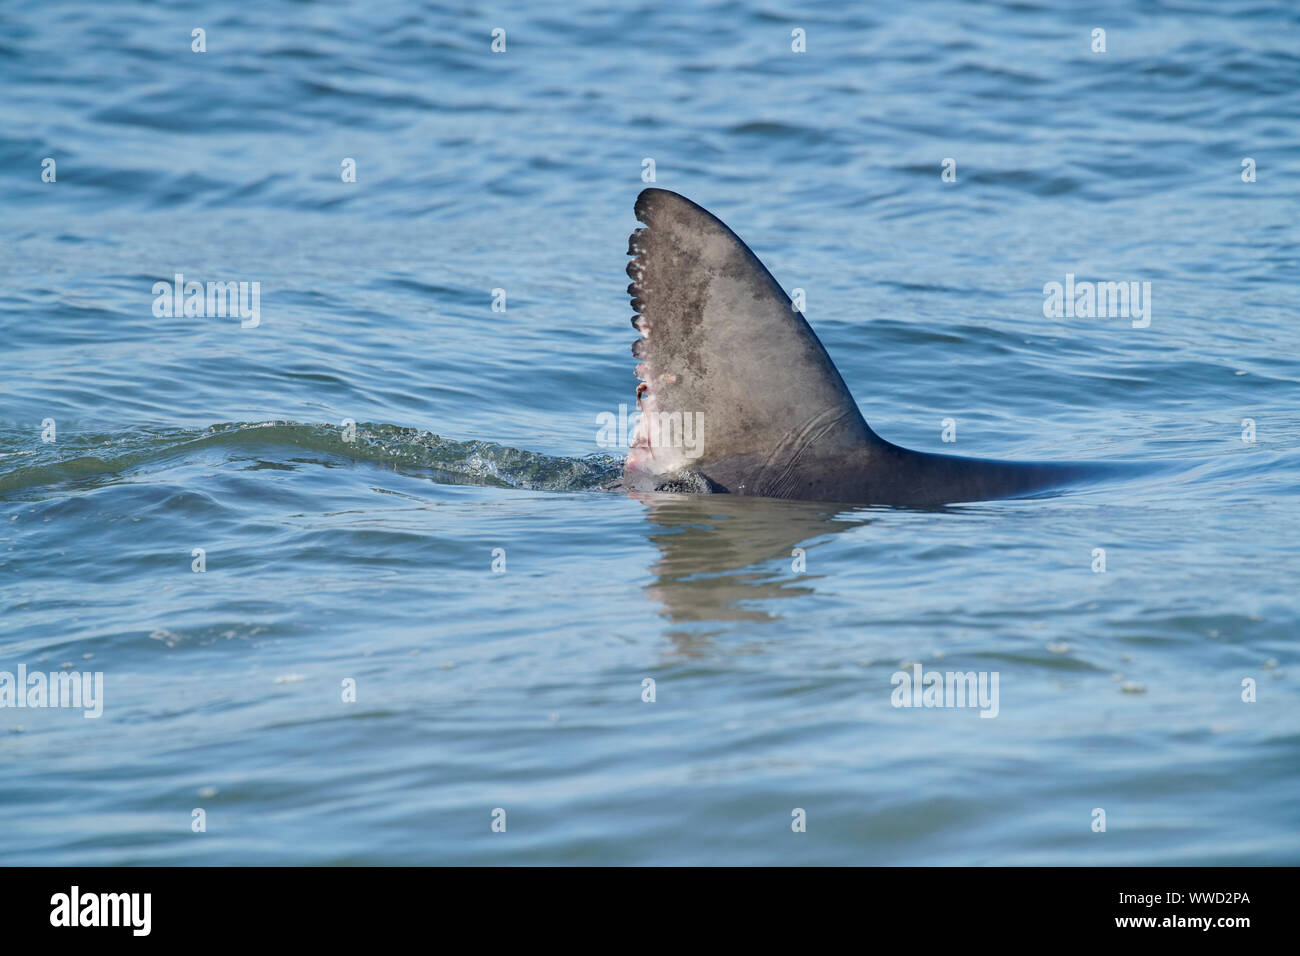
x: 722, y: 345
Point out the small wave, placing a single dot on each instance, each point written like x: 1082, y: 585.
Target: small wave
x: 95, y: 459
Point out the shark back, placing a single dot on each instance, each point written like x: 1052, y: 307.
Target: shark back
x: 739, y: 396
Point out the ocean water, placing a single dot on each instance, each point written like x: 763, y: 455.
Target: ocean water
x: 393, y: 489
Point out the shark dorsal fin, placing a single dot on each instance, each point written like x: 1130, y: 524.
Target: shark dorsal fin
x: 727, y: 361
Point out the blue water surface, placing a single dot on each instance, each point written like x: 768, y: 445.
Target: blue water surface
x: 453, y: 561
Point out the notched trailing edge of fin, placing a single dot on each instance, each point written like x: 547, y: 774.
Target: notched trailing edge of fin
x: 636, y: 269
x: 638, y: 244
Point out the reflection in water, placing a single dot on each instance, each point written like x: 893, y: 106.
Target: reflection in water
x: 712, y: 548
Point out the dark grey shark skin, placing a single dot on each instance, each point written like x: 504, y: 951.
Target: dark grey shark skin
x: 722, y: 343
